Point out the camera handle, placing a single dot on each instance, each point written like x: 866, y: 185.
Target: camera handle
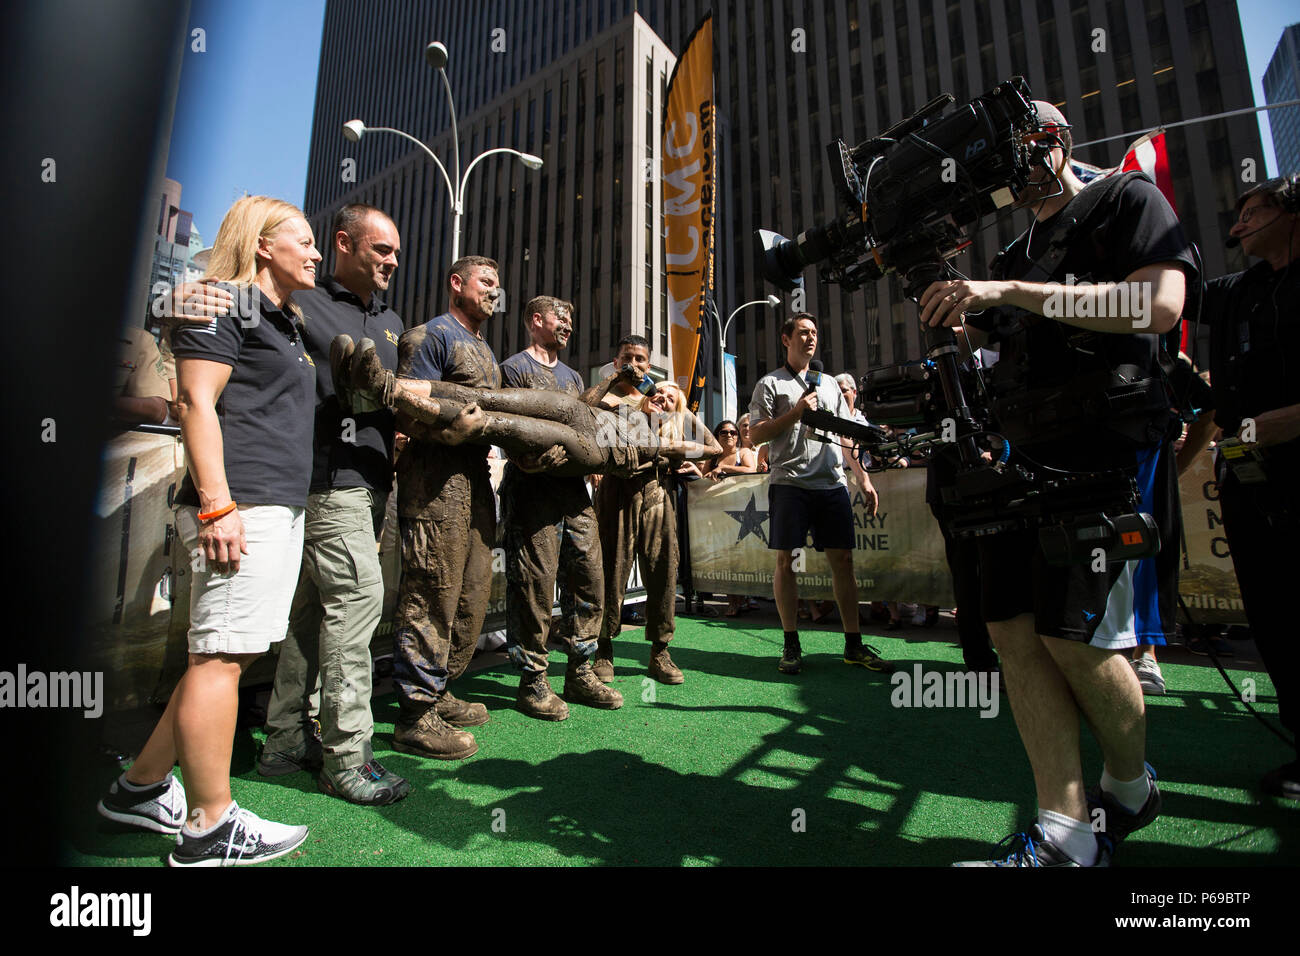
x: 941, y: 348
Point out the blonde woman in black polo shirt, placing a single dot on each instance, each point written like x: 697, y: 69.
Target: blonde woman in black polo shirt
x: 246, y: 399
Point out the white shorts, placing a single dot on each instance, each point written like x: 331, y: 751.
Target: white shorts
x: 246, y: 612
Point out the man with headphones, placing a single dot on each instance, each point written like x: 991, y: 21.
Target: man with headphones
x: 1062, y: 632
x: 1255, y: 373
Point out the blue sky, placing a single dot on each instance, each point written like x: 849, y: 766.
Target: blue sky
x: 244, y: 111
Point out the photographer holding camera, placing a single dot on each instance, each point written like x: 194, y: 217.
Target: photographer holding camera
x: 1257, y: 399
x: 1062, y: 640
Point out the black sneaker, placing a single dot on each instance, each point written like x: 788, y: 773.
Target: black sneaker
x: 242, y: 839
x: 1033, y: 849
x: 308, y: 756
x: 369, y: 785
x: 791, y: 659
x: 160, y: 808
x: 1118, y: 820
x: 868, y: 657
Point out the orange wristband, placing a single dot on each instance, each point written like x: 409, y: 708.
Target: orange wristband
x: 214, y: 515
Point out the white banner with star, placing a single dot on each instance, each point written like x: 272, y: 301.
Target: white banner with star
x: 899, y: 554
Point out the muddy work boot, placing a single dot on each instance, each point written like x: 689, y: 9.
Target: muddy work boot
x: 428, y: 735
x: 460, y: 713
x: 602, y: 665
x: 582, y: 686
x: 536, y: 699
x: 662, y: 667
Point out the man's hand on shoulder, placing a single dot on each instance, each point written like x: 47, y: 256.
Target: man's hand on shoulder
x: 199, y: 302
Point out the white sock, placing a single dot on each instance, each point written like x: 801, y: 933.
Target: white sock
x: 1130, y: 794
x: 225, y: 815
x: 137, y: 787
x: 1074, y: 838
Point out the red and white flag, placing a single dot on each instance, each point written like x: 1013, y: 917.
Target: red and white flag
x: 1149, y: 155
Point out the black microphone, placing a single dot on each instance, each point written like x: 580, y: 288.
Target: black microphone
x: 812, y: 376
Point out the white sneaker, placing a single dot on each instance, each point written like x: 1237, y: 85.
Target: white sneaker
x: 242, y: 838
x: 160, y: 808
x: 1149, y: 676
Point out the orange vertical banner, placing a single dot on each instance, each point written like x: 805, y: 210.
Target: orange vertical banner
x: 689, y: 198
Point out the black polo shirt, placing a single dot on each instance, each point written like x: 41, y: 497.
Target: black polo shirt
x: 367, y: 460
x: 1254, y: 319
x: 265, y: 410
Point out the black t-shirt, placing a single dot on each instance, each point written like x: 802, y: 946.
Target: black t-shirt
x: 367, y: 460
x: 1140, y: 229
x: 1254, y: 320
x: 266, y: 408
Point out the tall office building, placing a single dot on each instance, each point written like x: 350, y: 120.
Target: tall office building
x: 171, y: 250
x: 791, y: 77
x: 1282, y: 83
x: 581, y: 88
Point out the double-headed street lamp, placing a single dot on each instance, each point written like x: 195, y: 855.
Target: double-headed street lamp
x: 353, y: 130
x: 772, y: 302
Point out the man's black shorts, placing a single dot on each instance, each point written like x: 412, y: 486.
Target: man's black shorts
x: 1118, y: 607
x: 794, y: 510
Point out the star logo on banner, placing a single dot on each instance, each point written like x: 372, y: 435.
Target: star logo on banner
x: 751, y: 521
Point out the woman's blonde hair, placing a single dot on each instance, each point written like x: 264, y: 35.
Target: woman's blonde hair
x: 671, y: 424
x: 234, y: 252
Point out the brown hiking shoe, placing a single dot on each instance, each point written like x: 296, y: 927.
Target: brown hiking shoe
x: 662, y: 667
x: 582, y: 686
x: 602, y: 665
x: 431, y: 736
x: 460, y: 713
x: 536, y: 699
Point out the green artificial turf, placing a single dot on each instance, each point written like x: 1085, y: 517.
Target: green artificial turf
x: 742, y: 765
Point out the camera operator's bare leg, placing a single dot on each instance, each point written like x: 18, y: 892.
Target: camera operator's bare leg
x: 1110, y: 696
x: 1046, y: 715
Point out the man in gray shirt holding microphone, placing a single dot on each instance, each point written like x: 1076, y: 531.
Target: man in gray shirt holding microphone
x: 808, y: 491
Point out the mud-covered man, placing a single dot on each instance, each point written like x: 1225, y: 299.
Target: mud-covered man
x: 637, y: 522
x: 447, y: 516
x: 550, y: 532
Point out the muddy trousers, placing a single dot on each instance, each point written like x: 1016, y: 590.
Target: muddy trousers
x: 638, y: 522
x: 324, y: 661
x: 550, y: 537
x: 444, y: 594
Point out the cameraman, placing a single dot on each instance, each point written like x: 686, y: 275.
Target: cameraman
x: 1255, y: 373
x: 1061, y: 640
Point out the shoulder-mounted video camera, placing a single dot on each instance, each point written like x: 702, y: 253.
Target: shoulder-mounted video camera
x: 906, y: 199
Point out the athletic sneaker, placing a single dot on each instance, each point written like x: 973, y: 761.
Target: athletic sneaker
x: 1033, y: 849
x: 868, y: 657
x: 241, y: 839
x: 1283, y: 782
x: 1120, y: 821
x: 791, y: 659
x: 369, y: 784
x: 1149, y: 676
x: 160, y: 808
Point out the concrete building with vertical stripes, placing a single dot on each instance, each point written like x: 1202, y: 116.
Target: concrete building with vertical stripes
x: 792, y: 76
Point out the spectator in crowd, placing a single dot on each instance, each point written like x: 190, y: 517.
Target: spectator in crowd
x: 246, y: 393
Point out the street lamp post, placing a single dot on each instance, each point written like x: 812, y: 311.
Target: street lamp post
x: 771, y: 301
x: 353, y: 130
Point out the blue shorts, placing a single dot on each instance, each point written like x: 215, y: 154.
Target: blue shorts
x: 794, y: 511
